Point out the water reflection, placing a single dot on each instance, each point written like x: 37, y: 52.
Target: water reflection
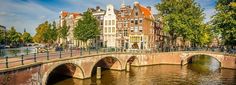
x: 12, y: 52
x: 204, y: 70
x: 204, y: 64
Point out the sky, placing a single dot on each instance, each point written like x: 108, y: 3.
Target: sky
x: 28, y: 14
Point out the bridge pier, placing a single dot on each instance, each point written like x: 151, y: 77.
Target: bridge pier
x: 128, y: 67
x: 98, y: 72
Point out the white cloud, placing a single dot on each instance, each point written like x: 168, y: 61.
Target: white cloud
x: 23, y: 15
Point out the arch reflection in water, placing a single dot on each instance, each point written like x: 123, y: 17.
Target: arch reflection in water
x: 203, y: 64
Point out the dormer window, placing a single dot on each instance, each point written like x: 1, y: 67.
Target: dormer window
x: 136, y: 13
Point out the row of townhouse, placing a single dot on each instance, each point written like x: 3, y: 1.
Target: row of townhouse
x: 127, y: 28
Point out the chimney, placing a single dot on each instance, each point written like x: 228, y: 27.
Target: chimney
x: 149, y: 8
x: 97, y: 7
x: 136, y: 3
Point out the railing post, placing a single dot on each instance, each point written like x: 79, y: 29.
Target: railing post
x: 6, y: 62
x: 81, y: 51
x: 70, y: 52
x: 22, y: 59
x: 60, y: 54
x: 47, y: 55
x: 35, y: 57
x: 27, y: 51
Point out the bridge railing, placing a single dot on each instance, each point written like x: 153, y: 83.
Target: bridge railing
x: 8, y: 62
x: 18, y: 60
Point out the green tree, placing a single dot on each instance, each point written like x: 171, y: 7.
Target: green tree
x: 224, y: 22
x: 26, y: 37
x: 53, y: 32
x: 41, y: 35
x: 86, y: 28
x: 13, y: 36
x: 183, y: 18
x: 64, y: 32
x: 2, y: 38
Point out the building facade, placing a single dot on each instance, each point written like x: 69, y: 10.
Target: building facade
x: 142, y: 29
x: 98, y: 13
x: 109, y: 27
x: 70, y: 19
x: 123, y: 26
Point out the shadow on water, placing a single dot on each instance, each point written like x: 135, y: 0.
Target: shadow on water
x: 61, y: 73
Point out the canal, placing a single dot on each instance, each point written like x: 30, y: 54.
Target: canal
x: 201, y: 70
x: 14, y: 52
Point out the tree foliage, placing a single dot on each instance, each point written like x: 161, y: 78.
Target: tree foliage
x: 86, y: 28
x: 224, y: 22
x: 13, y: 36
x: 41, y: 33
x: 184, y: 18
x: 64, y: 31
x: 2, y: 37
x: 26, y: 37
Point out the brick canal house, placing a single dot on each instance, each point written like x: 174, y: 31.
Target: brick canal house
x: 70, y: 19
x: 128, y: 28
x: 136, y: 28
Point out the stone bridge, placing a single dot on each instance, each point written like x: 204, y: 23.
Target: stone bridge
x: 84, y: 66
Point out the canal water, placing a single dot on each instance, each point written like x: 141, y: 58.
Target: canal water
x: 14, y: 52
x: 202, y: 70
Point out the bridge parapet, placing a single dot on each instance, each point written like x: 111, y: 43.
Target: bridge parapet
x: 84, y: 64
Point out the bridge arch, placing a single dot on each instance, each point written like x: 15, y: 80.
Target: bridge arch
x: 132, y: 59
x: 115, y: 61
x: 79, y: 73
x: 189, y: 56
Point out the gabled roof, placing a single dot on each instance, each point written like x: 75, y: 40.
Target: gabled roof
x: 145, y: 11
x: 64, y: 13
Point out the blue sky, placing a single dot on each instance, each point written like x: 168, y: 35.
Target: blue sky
x: 29, y: 14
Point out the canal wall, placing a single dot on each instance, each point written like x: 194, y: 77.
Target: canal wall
x: 159, y: 58
x: 24, y: 76
x: 179, y: 58
x: 228, y: 62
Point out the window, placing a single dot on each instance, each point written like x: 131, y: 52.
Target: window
x: 122, y: 14
x: 136, y: 21
x: 140, y: 29
x: 132, y: 29
x: 140, y: 20
x: 135, y: 29
x: 105, y: 30
x: 113, y: 29
x: 109, y: 22
x: 136, y: 13
x: 101, y: 23
x: 132, y: 21
x: 125, y: 33
x: 109, y: 29
x: 105, y: 22
x: 113, y: 22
